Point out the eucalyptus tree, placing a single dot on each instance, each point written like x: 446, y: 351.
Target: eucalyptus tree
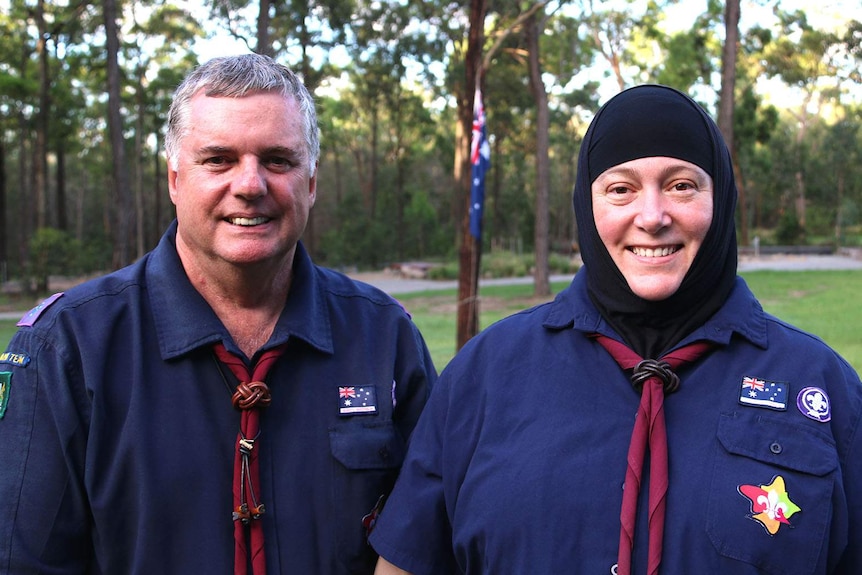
x: 17, y: 89
x: 839, y: 168
x: 301, y: 32
x: 154, y: 68
x: 120, y: 169
x: 812, y: 62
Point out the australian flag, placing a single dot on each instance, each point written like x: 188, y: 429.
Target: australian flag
x: 762, y: 393
x: 354, y: 400
x: 480, y: 158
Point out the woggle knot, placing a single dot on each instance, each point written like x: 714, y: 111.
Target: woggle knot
x: 249, y: 395
x: 649, y: 368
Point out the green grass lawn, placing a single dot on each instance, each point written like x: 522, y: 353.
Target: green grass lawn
x: 827, y: 303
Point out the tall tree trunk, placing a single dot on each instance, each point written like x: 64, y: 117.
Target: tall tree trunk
x: 123, y: 207
x: 62, y: 213
x: 40, y: 151
x: 470, y: 252
x: 532, y: 31
x: 25, y: 209
x: 264, y: 42
x: 138, y: 184
x: 4, y: 236
x: 373, y: 167
x: 159, y: 218
x: 727, y: 102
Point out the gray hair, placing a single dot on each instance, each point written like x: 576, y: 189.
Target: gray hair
x: 237, y: 76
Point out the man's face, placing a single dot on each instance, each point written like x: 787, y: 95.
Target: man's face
x: 652, y: 215
x: 242, y: 185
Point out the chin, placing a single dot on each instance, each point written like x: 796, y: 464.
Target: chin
x: 654, y: 292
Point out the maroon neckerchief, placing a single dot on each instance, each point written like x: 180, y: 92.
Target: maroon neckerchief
x: 657, y: 379
x: 251, y: 394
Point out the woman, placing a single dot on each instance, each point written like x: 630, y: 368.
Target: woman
x: 530, y: 459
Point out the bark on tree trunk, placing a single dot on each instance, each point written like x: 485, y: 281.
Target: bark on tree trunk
x: 123, y: 212
x: 541, y: 281
x: 727, y: 102
x: 470, y: 252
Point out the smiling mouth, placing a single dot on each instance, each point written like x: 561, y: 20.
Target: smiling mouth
x: 248, y: 221
x: 654, y: 252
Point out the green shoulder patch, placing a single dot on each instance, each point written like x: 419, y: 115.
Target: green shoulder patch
x: 5, y: 382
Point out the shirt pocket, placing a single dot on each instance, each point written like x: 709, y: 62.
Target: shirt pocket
x: 366, y: 460
x: 770, y: 496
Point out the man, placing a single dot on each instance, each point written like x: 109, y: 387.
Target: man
x: 223, y: 405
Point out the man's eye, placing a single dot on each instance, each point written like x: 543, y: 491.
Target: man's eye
x: 279, y: 163
x: 216, y: 161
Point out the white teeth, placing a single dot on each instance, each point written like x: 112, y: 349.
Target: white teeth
x: 247, y: 221
x: 653, y: 253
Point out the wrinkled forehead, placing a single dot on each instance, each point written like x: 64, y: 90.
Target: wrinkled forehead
x: 649, y: 121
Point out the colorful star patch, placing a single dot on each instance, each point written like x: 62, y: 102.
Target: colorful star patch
x: 761, y: 393
x: 770, y: 504
x: 5, y: 382
x: 814, y: 404
x: 356, y: 400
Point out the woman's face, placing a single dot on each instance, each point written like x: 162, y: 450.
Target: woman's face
x: 652, y: 215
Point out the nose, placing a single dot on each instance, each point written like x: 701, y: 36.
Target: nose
x: 250, y: 181
x: 653, y: 215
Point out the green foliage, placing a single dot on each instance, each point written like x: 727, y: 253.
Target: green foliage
x: 506, y: 264
x: 357, y: 240
x: 789, y: 232
x: 52, y: 252
x: 388, y: 116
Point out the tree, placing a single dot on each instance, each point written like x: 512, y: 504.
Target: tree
x: 471, y: 248
x: 727, y: 101
x: 120, y: 171
x: 533, y: 27
x: 806, y: 59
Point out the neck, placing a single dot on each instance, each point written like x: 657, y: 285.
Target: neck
x: 247, y: 299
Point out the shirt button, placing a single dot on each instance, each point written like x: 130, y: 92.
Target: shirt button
x: 775, y: 447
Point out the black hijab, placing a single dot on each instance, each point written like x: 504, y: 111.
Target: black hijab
x: 640, y: 122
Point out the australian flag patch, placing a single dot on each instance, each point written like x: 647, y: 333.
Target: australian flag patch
x: 357, y: 400
x: 761, y: 393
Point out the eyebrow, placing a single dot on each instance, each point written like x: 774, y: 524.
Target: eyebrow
x: 669, y: 171
x: 270, y: 151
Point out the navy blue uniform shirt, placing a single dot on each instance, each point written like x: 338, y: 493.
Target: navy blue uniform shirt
x: 119, y: 434
x: 518, y: 462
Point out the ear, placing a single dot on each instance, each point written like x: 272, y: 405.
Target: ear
x: 312, y: 187
x: 172, y: 182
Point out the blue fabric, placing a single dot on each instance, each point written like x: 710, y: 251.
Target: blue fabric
x: 518, y: 461
x: 119, y: 434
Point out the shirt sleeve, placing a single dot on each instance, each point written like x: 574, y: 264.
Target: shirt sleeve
x: 414, y: 531
x: 415, y: 377
x: 46, y: 526
x: 846, y: 400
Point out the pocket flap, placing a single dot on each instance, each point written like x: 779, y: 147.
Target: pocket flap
x: 367, y: 447
x: 781, y: 443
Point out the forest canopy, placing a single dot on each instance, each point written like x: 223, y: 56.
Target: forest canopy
x: 84, y: 90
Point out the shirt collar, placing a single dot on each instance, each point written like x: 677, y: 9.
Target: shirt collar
x: 185, y: 322
x: 741, y: 313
